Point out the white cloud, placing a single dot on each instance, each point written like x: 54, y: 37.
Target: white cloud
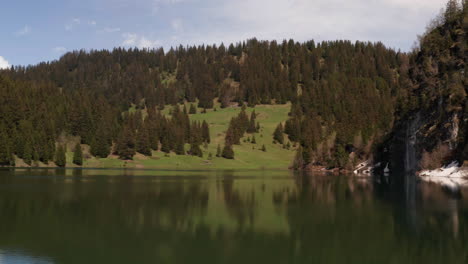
x: 23, y: 31
x: 109, y: 30
x: 4, y: 63
x: 74, y: 22
x: 92, y: 23
x: 134, y: 40
x: 394, y: 22
x: 60, y: 49
x: 177, y: 24
x: 158, y: 4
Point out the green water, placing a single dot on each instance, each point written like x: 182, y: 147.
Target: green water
x: 112, y: 216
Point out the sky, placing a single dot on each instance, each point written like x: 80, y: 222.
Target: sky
x: 33, y: 31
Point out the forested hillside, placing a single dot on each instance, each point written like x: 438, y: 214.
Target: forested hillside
x: 432, y: 118
x: 343, y: 87
x: 345, y: 97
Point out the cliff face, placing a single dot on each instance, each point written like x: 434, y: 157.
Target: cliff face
x: 431, y: 127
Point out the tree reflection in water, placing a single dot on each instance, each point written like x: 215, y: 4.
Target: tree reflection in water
x: 227, y: 217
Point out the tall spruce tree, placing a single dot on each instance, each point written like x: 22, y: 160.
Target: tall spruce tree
x: 125, y: 146
x: 100, y: 146
x: 60, y: 157
x: 228, y: 152
x: 143, y: 142
x: 298, y: 162
x: 5, y: 149
x: 195, y: 150
x: 278, y: 134
x: 78, y: 155
x: 205, y: 132
x: 252, y: 124
x: 193, y: 109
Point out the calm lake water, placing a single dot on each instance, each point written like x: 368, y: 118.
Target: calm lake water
x: 115, y: 216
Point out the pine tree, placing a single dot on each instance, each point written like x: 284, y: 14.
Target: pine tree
x: 179, y: 146
x: 78, y: 155
x: 278, y: 134
x: 228, y: 152
x: 27, y: 153
x: 264, y: 148
x: 195, y: 150
x: 100, y: 146
x: 451, y: 10
x: 142, y: 142
x: 60, y: 158
x: 252, y: 128
x: 205, y: 132
x: 165, y: 145
x: 254, y: 141
x: 125, y: 146
x: 193, y: 109
x: 298, y: 163
x: 5, y: 152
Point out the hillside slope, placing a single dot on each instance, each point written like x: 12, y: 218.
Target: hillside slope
x: 432, y: 128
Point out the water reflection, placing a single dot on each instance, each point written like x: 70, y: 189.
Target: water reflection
x: 102, y: 216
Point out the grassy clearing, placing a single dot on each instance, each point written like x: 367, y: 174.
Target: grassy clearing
x: 247, y: 155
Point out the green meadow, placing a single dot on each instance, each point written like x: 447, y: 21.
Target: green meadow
x: 247, y: 155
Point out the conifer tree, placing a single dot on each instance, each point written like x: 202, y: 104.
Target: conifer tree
x: 125, y: 146
x: 252, y: 124
x: 278, y: 134
x: 27, y: 153
x: 193, y: 109
x: 142, y: 141
x: 5, y: 152
x: 298, y: 163
x: 179, y: 146
x: 264, y: 148
x: 78, y: 155
x: 60, y: 157
x: 195, y: 150
x: 165, y: 145
x: 100, y: 146
x: 228, y: 152
x: 205, y: 132
x: 254, y: 141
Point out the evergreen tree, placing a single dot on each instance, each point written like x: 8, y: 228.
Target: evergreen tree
x: 179, y: 146
x: 278, y: 134
x: 165, y: 145
x: 228, y: 152
x: 60, y: 157
x: 195, y: 150
x: 142, y: 142
x: 264, y: 148
x: 252, y: 124
x: 6, y: 155
x: 100, y: 146
x: 193, y: 109
x: 125, y: 146
x: 254, y: 141
x: 298, y: 163
x: 78, y: 155
x: 205, y: 132
x: 27, y: 153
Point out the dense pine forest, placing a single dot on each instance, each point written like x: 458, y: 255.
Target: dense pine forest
x: 345, y: 97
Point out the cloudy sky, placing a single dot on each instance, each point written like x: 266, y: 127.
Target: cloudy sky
x: 34, y: 31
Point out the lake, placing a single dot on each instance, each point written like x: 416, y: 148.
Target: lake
x: 239, y: 217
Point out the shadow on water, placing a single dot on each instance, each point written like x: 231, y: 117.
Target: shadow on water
x: 86, y: 216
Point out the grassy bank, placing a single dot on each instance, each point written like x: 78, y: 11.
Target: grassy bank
x: 247, y: 155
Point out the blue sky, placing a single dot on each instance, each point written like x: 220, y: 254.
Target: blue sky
x: 33, y: 31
